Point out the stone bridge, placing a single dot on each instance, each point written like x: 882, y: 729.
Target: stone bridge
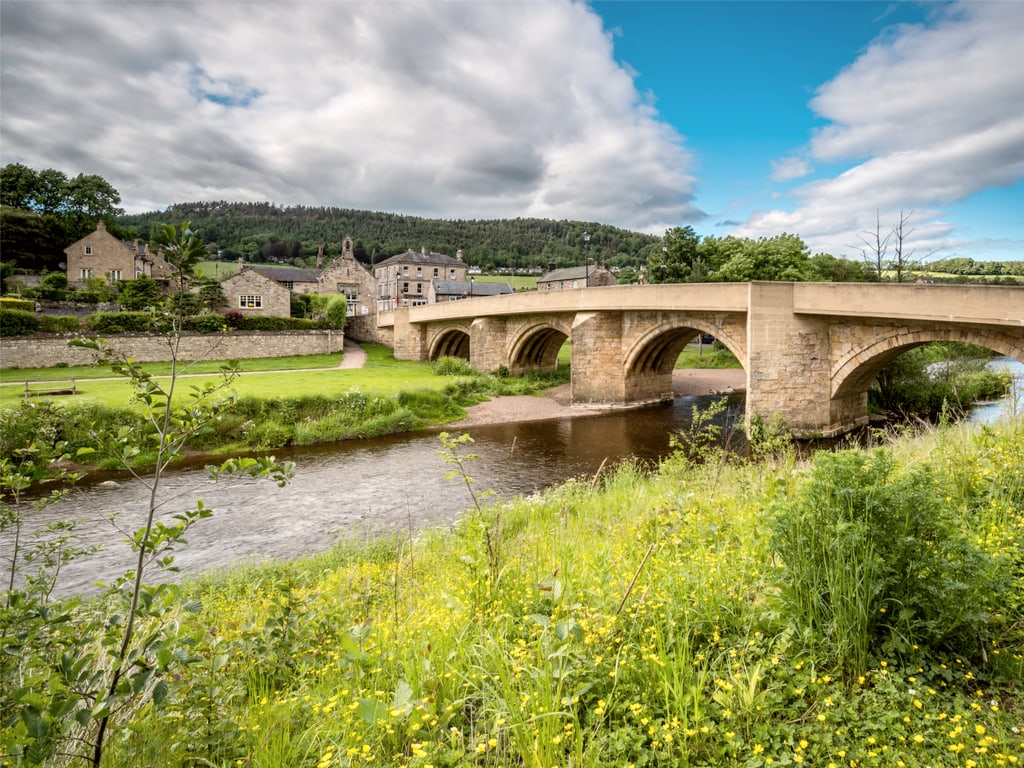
x: 809, y: 350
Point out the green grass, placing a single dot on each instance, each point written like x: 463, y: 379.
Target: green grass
x: 382, y: 376
x: 631, y: 619
x: 709, y: 356
x: 518, y: 282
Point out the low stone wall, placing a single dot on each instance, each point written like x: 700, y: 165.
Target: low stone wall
x: 46, y: 350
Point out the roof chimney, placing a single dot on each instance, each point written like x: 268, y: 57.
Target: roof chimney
x: 458, y: 254
x: 101, y: 226
x: 423, y: 250
x: 320, y: 257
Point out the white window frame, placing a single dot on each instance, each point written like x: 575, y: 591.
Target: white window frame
x: 115, y: 274
x: 86, y: 273
x: 250, y: 301
x: 88, y: 250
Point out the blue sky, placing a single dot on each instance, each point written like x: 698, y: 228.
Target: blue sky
x: 746, y: 118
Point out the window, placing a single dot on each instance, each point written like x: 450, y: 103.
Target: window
x: 88, y: 250
x: 115, y: 274
x: 419, y: 287
x: 451, y: 273
x: 250, y: 302
x: 86, y: 274
x: 419, y: 271
x: 138, y: 272
x: 405, y: 287
x: 436, y: 271
x: 289, y: 284
x: 405, y: 270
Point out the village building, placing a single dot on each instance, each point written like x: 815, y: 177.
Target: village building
x: 454, y: 290
x: 251, y: 292
x: 100, y: 254
x: 407, y: 279
x: 576, y: 277
x: 296, y: 280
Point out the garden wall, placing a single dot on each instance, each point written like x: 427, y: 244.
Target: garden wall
x: 46, y: 350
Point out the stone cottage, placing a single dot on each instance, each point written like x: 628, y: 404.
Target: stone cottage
x: 576, y: 277
x: 252, y: 293
x: 100, y: 254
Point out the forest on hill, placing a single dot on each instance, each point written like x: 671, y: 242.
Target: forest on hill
x: 293, y: 234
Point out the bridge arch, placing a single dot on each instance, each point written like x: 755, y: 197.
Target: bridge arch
x: 656, y: 350
x: 535, y: 347
x: 853, y: 374
x: 450, y: 342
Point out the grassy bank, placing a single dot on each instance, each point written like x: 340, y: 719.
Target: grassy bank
x: 273, y: 409
x: 633, y: 619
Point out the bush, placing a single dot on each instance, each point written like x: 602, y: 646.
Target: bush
x: 452, y: 366
x: 58, y: 323
x: 119, y: 322
x: 267, y: 323
x: 206, y: 323
x: 873, y: 563
x: 19, y: 304
x: 17, y: 322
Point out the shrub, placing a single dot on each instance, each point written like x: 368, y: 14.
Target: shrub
x: 873, y: 562
x: 17, y: 322
x: 19, y: 304
x: 234, y: 318
x: 452, y: 366
x: 266, y: 323
x: 119, y: 322
x: 58, y: 323
x: 206, y: 323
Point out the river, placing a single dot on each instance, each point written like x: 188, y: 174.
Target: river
x: 356, y: 490
x: 362, y: 489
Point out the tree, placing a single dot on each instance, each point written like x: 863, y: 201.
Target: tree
x: 212, y: 296
x: 27, y: 240
x: 827, y: 268
x: 903, y: 258
x: 182, y: 248
x: 680, y: 259
x: 141, y: 293
x: 335, y: 312
x: 876, y: 249
x: 780, y: 258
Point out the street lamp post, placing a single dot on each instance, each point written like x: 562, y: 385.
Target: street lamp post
x: 586, y: 255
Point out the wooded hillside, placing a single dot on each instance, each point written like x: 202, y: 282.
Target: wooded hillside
x: 266, y: 232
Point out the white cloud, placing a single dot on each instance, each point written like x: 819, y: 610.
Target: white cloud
x: 456, y: 110
x: 789, y: 168
x: 926, y: 117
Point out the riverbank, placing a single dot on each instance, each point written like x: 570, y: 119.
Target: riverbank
x: 555, y: 403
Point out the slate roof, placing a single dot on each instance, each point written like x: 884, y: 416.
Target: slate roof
x: 477, y: 287
x: 568, y: 273
x: 282, y: 274
x: 418, y: 257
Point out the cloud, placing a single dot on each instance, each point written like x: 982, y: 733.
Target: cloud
x: 927, y: 116
x: 454, y: 110
x: 789, y: 168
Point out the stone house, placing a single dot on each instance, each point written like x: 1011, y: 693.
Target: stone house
x: 100, y: 254
x: 253, y: 293
x: 576, y: 277
x: 348, y: 277
x: 407, y: 279
x: 296, y: 280
x: 454, y: 290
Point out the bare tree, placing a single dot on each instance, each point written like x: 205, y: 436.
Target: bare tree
x: 902, y: 257
x: 876, y: 248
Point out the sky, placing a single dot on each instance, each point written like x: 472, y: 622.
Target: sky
x: 830, y: 120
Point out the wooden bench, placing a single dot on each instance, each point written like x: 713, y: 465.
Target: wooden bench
x: 54, y: 387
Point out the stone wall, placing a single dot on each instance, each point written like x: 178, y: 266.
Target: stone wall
x: 45, y: 350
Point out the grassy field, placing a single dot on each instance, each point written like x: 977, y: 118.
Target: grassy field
x: 290, y: 376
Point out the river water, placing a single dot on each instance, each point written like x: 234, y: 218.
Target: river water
x: 362, y: 489
x: 356, y: 490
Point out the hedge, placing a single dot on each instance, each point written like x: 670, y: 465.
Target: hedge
x: 19, y: 304
x: 18, y: 322
x: 119, y: 322
x: 58, y: 323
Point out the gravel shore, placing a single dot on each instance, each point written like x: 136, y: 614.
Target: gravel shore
x: 554, y: 403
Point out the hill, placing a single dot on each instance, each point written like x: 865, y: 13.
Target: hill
x: 270, y: 233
